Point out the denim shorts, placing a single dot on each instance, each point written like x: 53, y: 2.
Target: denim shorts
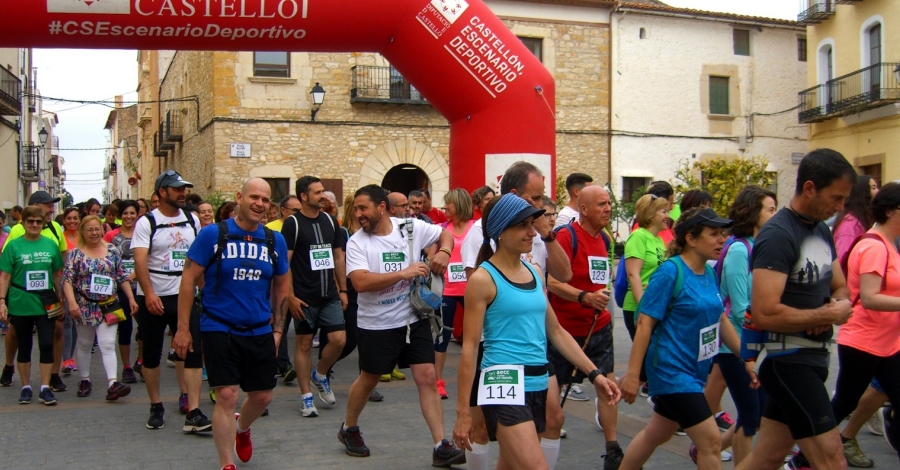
x: 329, y: 317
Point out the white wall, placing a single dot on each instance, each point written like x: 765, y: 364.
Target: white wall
x: 657, y: 90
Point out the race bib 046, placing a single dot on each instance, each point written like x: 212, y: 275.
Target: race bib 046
x: 321, y: 259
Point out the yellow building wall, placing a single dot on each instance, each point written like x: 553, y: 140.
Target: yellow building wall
x: 877, y: 137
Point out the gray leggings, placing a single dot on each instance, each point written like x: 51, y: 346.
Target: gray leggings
x: 70, y: 336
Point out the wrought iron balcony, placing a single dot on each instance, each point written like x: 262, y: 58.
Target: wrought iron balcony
x: 10, y: 93
x: 157, y: 150
x: 29, y: 163
x: 112, y: 167
x: 164, y: 144
x: 817, y: 12
x: 846, y: 2
x: 855, y: 92
x: 174, y: 131
x: 372, y: 84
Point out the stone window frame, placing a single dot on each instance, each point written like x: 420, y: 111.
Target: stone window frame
x: 734, y: 95
x: 286, y: 80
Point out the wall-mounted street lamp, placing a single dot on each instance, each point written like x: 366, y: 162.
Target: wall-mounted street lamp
x: 42, y: 135
x: 318, y: 97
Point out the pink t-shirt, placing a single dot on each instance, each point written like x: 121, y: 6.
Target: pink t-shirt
x: 455, y: 276
x: 873, y: 331
x: 845, y: 233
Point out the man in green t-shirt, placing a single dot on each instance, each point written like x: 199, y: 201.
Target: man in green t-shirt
x: 30, y: 267
x: 54, y: 232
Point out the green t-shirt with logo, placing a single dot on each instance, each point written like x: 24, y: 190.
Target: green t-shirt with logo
x: 31, y: 264
x: 649, y: 248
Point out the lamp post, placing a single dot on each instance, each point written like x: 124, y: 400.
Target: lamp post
x: 42, y: 136
x: 897, y: 73
x: 318, y: 97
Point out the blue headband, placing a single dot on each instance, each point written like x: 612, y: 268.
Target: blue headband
x: 504, y: 213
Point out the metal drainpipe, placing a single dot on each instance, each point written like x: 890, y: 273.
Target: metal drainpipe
x: 609, y: 94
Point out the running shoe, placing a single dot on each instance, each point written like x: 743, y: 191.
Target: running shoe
x: 442, y: 389
x: 7, y: 376
x: 855, y: 456
x: 67, y: 366
x: 397, y: 375
x: 84, y: 388
x: 4, y: 328
x: 891, y: 430
x: 353, y: 441
x: 797, y: 462
x: 447, y: 454
x: 645, y: 390
x: 563, y: 434
x: 128, y: 376
x: 183, y: 403
x: 116, y: 391
x: 680, y: 432
x: 575, y: 394
x: 613, y: 458
x: 46, y: 397
x: 726, y: 456
x: 170, y: 358
x: 229, y: 467
x: 375, y: 395
x: 724, y: 421
x: 139, y: 368
x: 157, y: 411
x: 56, y: 383
x: 597, y: 415
x: 650, y: 401
x: 384, y: 378
x: 25, y: 397
x: 874, y: 425
x: 324, y: 388
x: 308, y: 408
x: 315, y: 342
x: 243, y: 446
x: 196, y: 421
x: 203, y: 375
x: 212, y: 395
x: 794, y: 451
x: 289, y: 373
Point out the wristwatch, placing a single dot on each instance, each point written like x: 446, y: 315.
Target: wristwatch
x: 550, y: 237
x: 593, y: 374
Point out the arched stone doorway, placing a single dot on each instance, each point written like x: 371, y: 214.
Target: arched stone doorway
x: 407, y: 152
x: 404, y: 178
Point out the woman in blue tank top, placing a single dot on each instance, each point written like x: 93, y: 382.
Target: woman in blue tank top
x: 679, y: 328
x: 505, y: 301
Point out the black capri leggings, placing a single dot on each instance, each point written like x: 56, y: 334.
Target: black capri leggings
x: 126, y: 326
x: 857, y: 368
x: 23, y: 325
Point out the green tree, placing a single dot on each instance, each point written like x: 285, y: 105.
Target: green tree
x: 216, y: 198
x: 562, y: 197
x: 722, y: 177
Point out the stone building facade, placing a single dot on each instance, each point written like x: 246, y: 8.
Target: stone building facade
x: 224, y: 117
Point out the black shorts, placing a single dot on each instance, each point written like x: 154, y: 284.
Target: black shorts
x: 248, y: 361
x: 535, y: 410
x: 797, y: 397
x: 153, y: 332
x: 380, y: 350
x: 599, y: 350
x: 686, y: 409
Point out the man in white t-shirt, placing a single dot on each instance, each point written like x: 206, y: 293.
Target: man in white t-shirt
x: 526, y: 181
x: 575, y: 182
x: 381, y: 268
x: 160, y: 242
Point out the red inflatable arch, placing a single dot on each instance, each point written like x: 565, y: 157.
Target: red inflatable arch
x: 498, y: 98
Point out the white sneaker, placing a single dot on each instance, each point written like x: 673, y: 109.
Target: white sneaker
x: 576, y: 394
x: 873, y: 424
x: 308, y: 409
x: 324, y: 388
x: 597, y: 415
x: 726, y: 456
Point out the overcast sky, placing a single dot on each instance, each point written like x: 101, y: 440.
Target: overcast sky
x: 100, y: 75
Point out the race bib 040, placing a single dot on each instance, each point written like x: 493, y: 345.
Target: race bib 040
x: 176, y: 260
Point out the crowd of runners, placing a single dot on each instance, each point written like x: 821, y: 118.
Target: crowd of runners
x: 747, y: 304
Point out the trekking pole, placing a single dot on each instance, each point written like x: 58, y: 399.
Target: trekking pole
x: 583, y: 347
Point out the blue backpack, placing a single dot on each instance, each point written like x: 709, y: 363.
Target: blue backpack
x: 620, y: 285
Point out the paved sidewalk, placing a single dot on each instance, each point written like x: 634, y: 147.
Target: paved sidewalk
x: 88, y: 433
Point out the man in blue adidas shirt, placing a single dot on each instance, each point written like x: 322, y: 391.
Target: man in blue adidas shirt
x: 239, y: 334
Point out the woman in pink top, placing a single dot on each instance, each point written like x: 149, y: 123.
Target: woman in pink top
x: 856, y: 217
x: 458, y: 208
x: 869, y: 343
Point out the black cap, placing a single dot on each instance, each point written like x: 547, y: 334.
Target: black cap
x: 171, y: 179
x: 706, y: 218
x: 42, y: 197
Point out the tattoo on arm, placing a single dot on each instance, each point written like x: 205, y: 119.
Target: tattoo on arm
x: 280, y: 313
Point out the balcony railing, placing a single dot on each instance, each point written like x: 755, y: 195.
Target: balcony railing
x: 157, y: 150
x: 10, y: 93
x: 29, y: 162
x: 855, y: 92
x: 112, y: 167
x: 817, y: 12
x: 372, y: 84
x: 174, y: 131
x: 846, y: 2
x: 164, y: 144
